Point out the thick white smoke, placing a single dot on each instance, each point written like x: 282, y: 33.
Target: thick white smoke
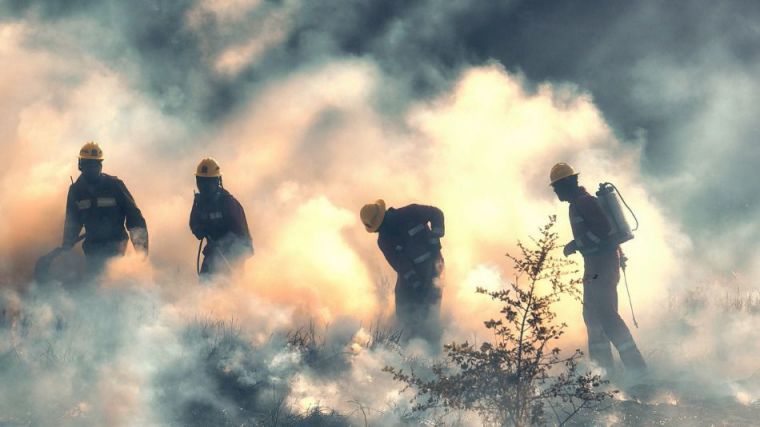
x: 302, y: 154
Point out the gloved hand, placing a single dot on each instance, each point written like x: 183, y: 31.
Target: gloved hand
x: 570, y: 248
x: 435, y: 237
x: 199, y: 232
x: 623, y: 259
x: 140, y: 240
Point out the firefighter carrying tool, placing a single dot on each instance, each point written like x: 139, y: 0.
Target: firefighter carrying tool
x: 597, y: 236
x: 219, y: 218
x: 103, y: 206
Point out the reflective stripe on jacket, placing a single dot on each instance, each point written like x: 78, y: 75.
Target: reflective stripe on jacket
x: 221, y: 219
x: 103, y: 209
x: 409, y: 238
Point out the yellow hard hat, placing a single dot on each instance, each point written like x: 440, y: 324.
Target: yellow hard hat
x: 91, y: 151
x: 561, y: 171
x: 208, y: 168
x: 372, y: 215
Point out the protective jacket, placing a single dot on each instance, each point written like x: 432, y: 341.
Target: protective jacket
x: 601, y: 274
x: 410, y: 240
x: 591, y: 226
x: 103, y: 208
x: 221, y: 219
x: 409, y: 237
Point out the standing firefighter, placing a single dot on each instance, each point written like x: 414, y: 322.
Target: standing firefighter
x: 219, y: 218
x: 102, y: 205
x: 409, y: 237
x: 592, y: 230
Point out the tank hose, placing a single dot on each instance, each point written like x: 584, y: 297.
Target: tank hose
x: 626, y: 204
x: 623, y: 264
x: 198, y: 258
x: 624, y: 259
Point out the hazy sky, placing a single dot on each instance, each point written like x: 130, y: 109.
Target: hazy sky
x: 677, y: 78
x: 314, y: 107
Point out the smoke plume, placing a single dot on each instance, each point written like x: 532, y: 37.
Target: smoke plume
x: 313, y: 110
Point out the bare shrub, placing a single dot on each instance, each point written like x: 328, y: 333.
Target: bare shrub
x: 512, y: 380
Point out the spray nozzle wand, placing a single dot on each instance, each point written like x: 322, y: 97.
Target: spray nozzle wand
x: 623, y: 265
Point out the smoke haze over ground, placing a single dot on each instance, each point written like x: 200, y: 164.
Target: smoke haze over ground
x: 315, y: 108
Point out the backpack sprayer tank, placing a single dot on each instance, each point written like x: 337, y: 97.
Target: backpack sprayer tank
x: 611, y: 201
x: 612, y: 204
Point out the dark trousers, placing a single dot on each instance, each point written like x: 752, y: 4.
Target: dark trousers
x: 600, y: 313
x: 219, y: 259
x: 418, y: 310
x: 211, y: 264
x: 97, y: 255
